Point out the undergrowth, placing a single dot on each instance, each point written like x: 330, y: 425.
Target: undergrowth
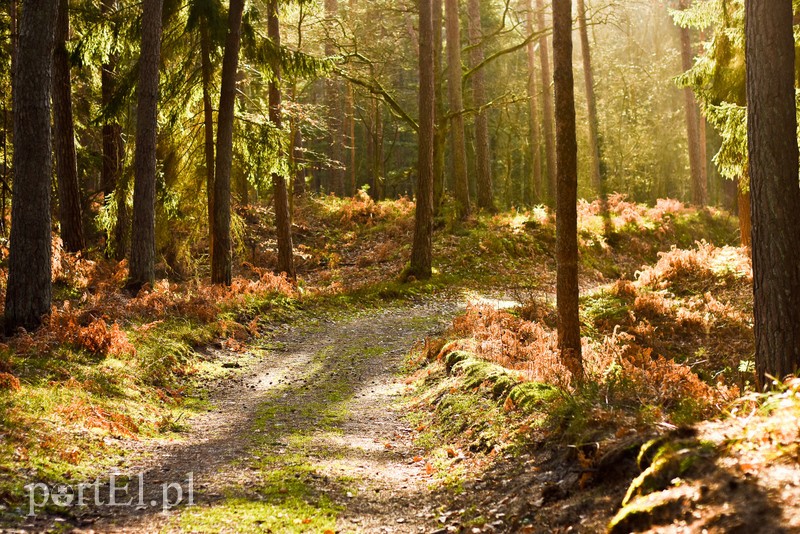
x: 107, y: 366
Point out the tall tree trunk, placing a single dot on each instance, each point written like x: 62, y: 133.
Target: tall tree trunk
x: 534, y: 189
x: 29, y: 289
x: 112, y: 132
x: 699, y: 180
x: 440, y: 139
x: 222, y: 253
x: 772, y: 145
x: 422, y: 250
x: 208, y: 123
x: 547, y: 102
x: 483, y: 166
x: 598, y: 180
x: 69, y: 194
x: 568, y: 292
x: 591, y: 100
x: 335, y: 123
x: 143, y: 236
x: 283, y: 220
x: 457, y: 139
x: 113, y: 151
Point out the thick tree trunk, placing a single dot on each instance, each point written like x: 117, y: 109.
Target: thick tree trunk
x: 457, y: 139
x: 547, y: 103
x: 283, y: 220
x: 772, y: 145
x: 29, y: 289
x: 143, y: 236
x: 569, y: 335
x: 533, y: 190
x: 699, y: 180
x: 440, y: 139
x: 483, y: 165
x: 69, y: 194
x: 222, y: 253
x: 422, y: 250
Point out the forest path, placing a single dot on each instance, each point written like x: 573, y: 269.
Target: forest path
x: 310, y: 439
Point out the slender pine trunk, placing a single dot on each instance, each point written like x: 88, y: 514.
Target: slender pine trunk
x: 283, y: 219
x: 534, y: 190
x: 483, y: 165
x: 222, y: 251
x: 547, y: 102
x: 69, y: 194
x: 458, y: 145
x: 568, y: 292
x: 422, y: 250
x: 143, y: 235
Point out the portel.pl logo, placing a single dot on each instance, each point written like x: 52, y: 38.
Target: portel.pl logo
x: 117, y: 491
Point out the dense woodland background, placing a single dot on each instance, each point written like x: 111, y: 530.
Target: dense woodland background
x: 350, y: 107
x: 180, y: 179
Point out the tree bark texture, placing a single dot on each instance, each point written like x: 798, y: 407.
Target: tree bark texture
x: 422, y: 250
x: 775, y: 194
x: 143, y: 235
x: 569, y: 335
x: 29, y: 289
x: 222, y: 251
x: 69, y: 193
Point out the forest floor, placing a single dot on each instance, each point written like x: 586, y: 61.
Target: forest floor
x: 354, y: 403
x: 308, y: 437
